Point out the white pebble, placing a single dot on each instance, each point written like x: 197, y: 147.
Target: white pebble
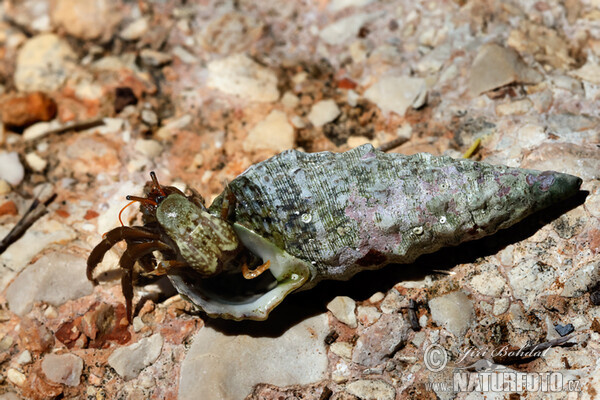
x: 323, y: 112
x: 11, y: 169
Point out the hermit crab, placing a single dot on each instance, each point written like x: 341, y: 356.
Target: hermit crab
x: 308, y: 217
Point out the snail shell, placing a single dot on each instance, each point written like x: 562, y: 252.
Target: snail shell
x: 329, y: 216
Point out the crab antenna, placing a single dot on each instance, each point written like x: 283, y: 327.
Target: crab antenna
x: 123, y: 209
x: 155, y: 182
x: 142, y: 200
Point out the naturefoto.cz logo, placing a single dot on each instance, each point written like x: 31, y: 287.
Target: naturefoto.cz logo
x: 486, y: 376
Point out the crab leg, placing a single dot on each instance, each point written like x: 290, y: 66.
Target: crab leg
x: 111, y: 238
x: 127, y: 261
x: 251, y: 274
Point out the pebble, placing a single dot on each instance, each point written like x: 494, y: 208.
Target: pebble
x: 488, y: 281
x: 228, y: 366
x: 496, y: 66
x: 517, y: 107
x: 54, y: 278
x: 16, y: 377
x: 11, y: 169
x: 130, y: 360
x: 148, y: 147
x: 171, y: 127
x: 63, y: 368
x: 342, y: 349
x: 155, y: 58
x: 367, y: 389
x: 86, y: 19
x: 345, y: 29
x: 35, y: 162
x: 582, y: 280
x: 392, y: 302
x: 397, y: 93
x: 240, y: 76
x: 500, y: 306
x: 323, y: 112
x: 380, y: 340
x: 274, y: 133
x: 43, y: 63
x: 149, y: 117
x: 135, y: 29
x: 529, y: 279
x: 40, y: 129
x: 289, y: 100
x: 231, y: 33
x: 337, y: 5
x: 22, y: 111
x: 367, y: 315
x: 454, y: 311
x: 342, y: 308
x: 185, y: 56
x: 24, y: 358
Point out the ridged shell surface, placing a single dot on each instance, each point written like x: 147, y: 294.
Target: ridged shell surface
x: 364, y: 208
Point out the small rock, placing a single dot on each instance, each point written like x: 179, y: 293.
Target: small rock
x: 342, y: 308
x: 582, y: 281
x: 63, y: 368
x: 566, y: 123
x: 24, y: 358
x: 4, y: 186
x: 342, y: 349
x: 345, y: 28
x: 149, y: 117
x: 496, y: 66
x: 240, y: 76
x: 43, y: 63
x: 35, y: 162
x: 564, y: 330
x: 54, y: 278
x: 130, y: 360
x: 40, y: 129
x: 289, y: 100
x: 488, y: 281
x: 9, y: 208
x: 16, y: 377
x: 500, y: 306
x: 366, y: 389
x: 25, y: 110
x: 150, y: 148
x: 229, y: 366
x: 529, y: 279
x: 323, y: 112
x: 155, y: 58
x: 454, y: 311
x: 392, y: 302
x: 341, y: 372
x: 274, y: 133
x: 184, y: 56
x: 380, y: 340
x: 86, y: 19
x: 167, y: 130
x: 11, y: 169
x: 397, y: 93
x: 376, y: 297
x: 367, y: 315
x: 337, y: 5
x: 518, y: 107
x: 135, y: 29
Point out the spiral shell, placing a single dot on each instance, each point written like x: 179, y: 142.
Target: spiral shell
x: 363, y: 209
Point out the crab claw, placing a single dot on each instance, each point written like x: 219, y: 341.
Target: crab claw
x: 290, y: 274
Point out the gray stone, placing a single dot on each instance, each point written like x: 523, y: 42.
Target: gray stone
x: 380, y: 340
x: 43, y: 63
x: 496, y: 66
x: 240, y: 76
x: 63, y: 368
x: 397, y: 93
x: 454, y: 311
x: 366, y: 389
x: 129, y: 361
x: 227, y: 367
x: 342, y: 308
x: 55, y: 278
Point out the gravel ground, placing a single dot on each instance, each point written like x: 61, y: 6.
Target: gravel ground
x: 96, y: 94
